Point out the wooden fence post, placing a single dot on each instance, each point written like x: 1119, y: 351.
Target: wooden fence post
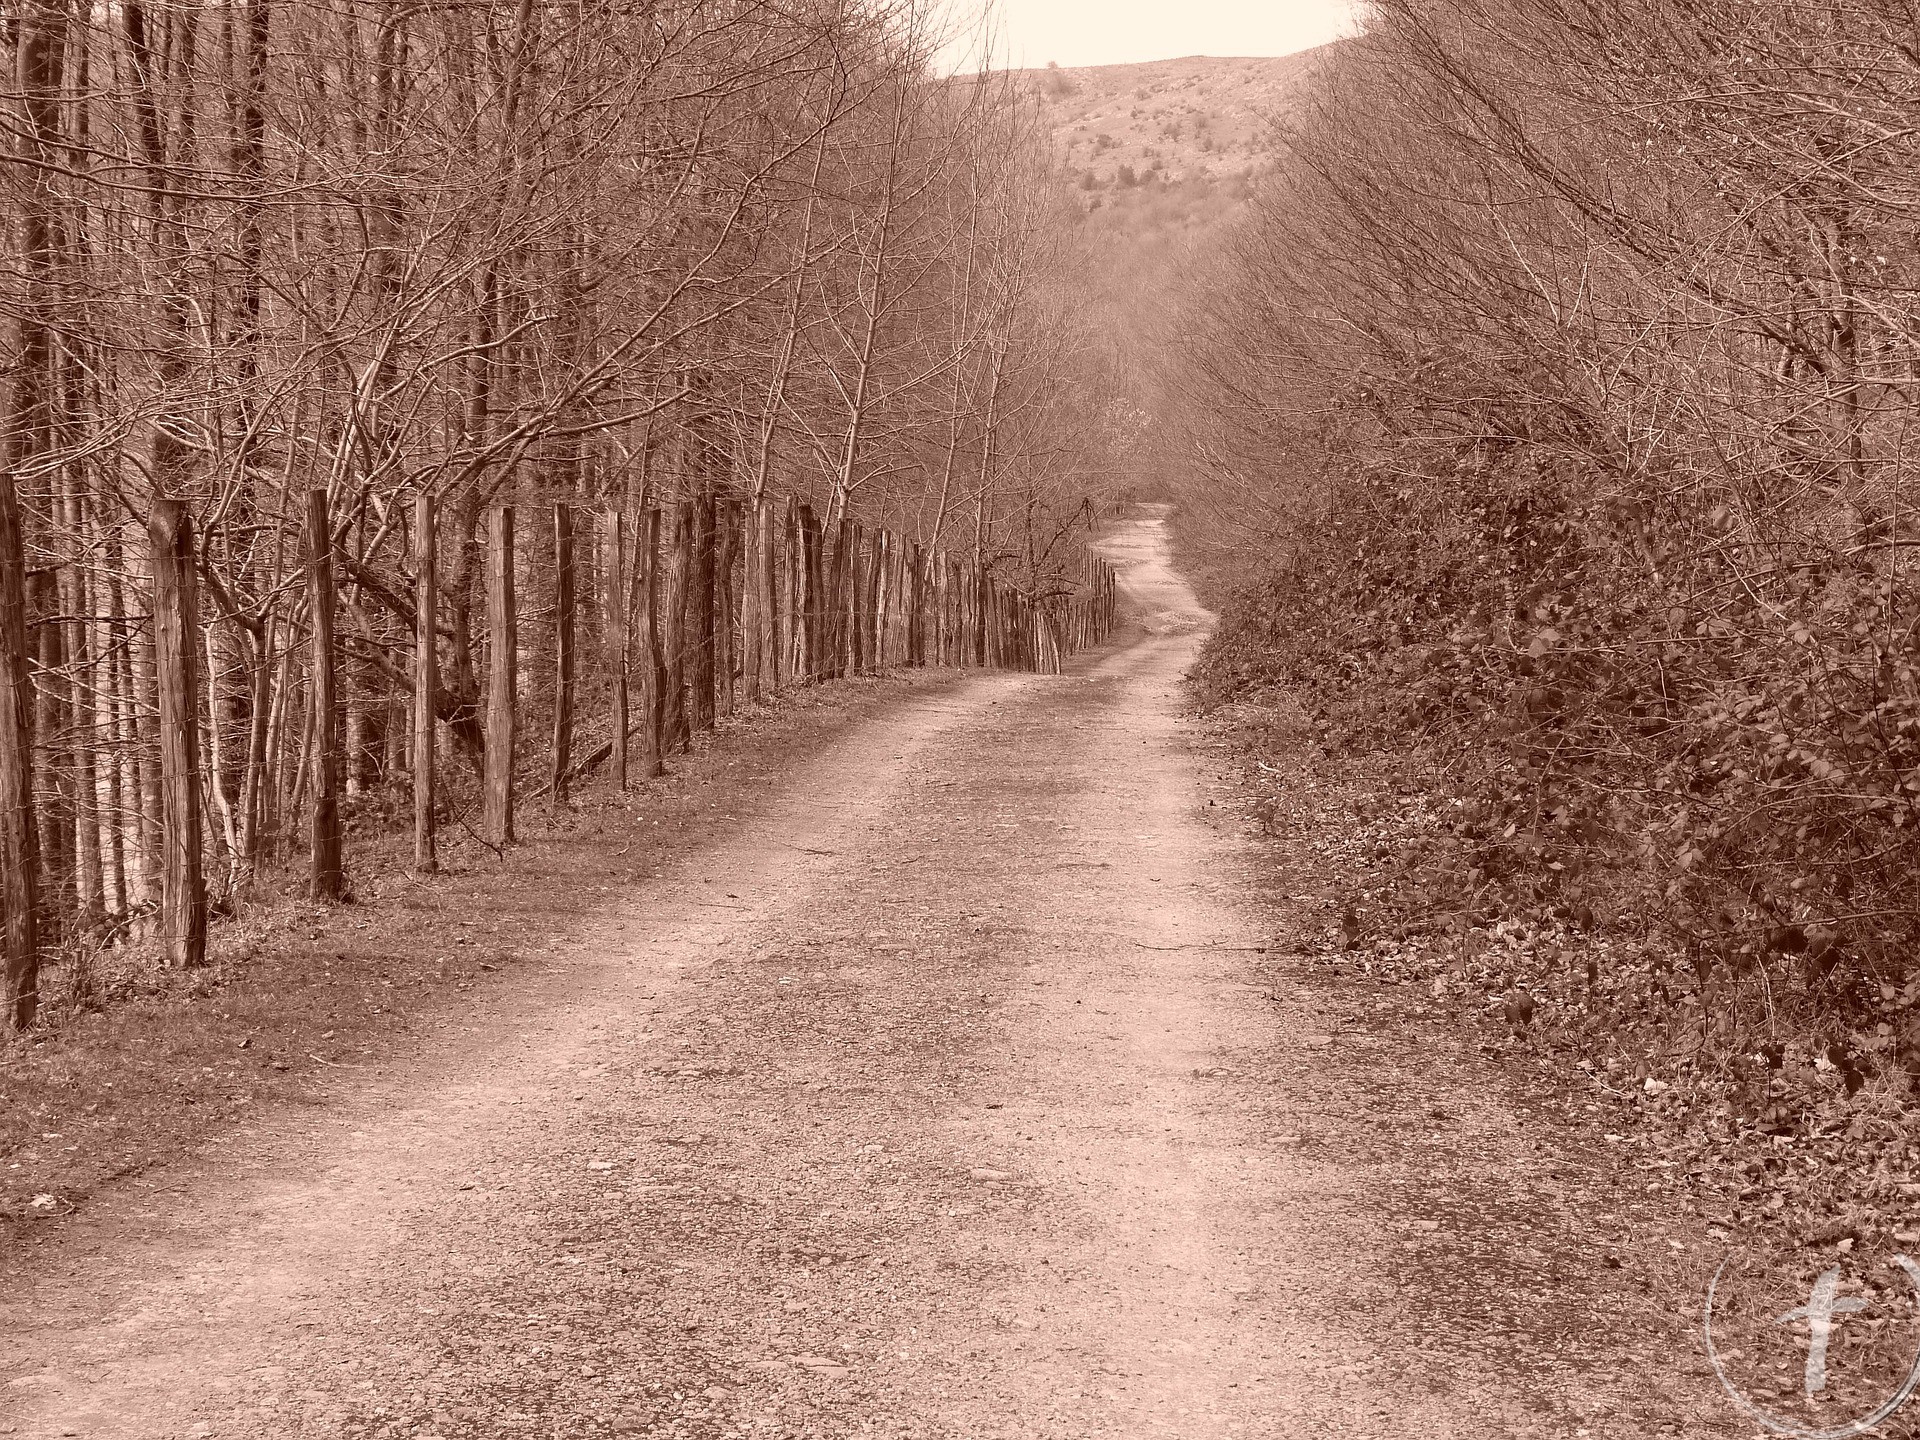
x: 176, y: 625
x: 327, y: 871
x: 833, y: 566
x: 653, y: 670
x: 563, y: 649
x: 502, y: 661
x: 619, y: 615
x: 916, y: 608
x: 726, y: 550
x: 942, y: 608
x: 426, y: 680
x: 870, y: 602
x: 771, y: 664
x: 856, y: 613
x: 700, y: 627
x: 977, y: 632
x: 674, y: 629
x: 882, y: 555
x: 752, y: 604
x: 808, y: 670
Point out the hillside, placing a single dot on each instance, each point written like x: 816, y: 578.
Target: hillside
x: 1199, y: 117
x: 1158, y: 156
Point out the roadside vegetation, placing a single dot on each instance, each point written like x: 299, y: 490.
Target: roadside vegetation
x: 1558, y: 385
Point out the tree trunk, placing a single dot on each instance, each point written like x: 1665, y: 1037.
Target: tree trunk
x: 183, y: 892
x: 19, y: 842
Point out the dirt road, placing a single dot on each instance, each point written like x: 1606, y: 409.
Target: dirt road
x: 950, y: 1094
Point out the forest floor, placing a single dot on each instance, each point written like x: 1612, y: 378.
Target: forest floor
x: 954, y: 1064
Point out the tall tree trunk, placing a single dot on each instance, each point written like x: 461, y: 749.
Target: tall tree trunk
x: 19, y: 841
x: 38, y: 39
x: 183, y: 891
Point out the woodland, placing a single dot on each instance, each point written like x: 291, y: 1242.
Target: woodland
x: 414, y: 407
x: 1559, y: 386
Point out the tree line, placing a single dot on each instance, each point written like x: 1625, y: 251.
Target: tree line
x: 385, y: 379
x: 1567, y: 360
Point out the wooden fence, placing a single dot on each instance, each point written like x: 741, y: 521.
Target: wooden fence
x: 708, y: 603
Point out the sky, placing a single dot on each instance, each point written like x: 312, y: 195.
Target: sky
x: 1120, y: 32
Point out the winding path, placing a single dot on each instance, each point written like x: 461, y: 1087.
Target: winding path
x: 945, y: 1096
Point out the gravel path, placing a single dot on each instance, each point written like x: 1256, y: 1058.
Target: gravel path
x: 948, y: 1095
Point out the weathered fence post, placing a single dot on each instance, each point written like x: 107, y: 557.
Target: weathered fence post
x: 700, y: 627
x: 326, y: 868
x: 726, y: 549
x: 674, y: 628
x: 426, y: 680
x: 808, y: 669
x: 653, y: 671
x: 620, y: 624
x: 793, y: 587
x: 982, y: 588
x: 772, y: 666
x: 752, y: 604
x: 833, y: 562
x: 870, y: 601
x: 502, y: 660
x: 563, y: 649
x: 176, y: 626
x: 916, y: 608
x: 856, y: 610
x: 881, y: 608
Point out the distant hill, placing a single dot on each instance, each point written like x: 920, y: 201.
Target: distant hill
x: 1158, y: 157
x: 1201, y: 117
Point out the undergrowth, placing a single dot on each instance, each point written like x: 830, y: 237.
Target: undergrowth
x: 1632, y: 795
